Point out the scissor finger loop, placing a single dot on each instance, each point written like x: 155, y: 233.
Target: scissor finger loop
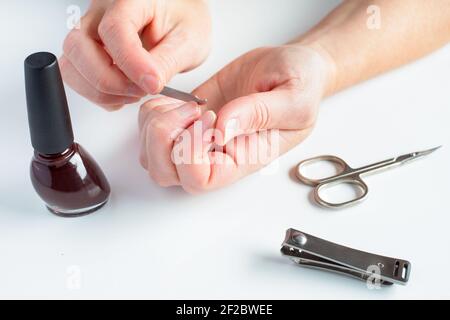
x: 344, y: 168
x: 352, y: 180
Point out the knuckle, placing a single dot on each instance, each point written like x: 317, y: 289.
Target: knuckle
x: 158, y: 130
x: 100, y: 98
x: 143, y: 160
x: 196, y: 185
x: 151, y: 172
x: 261, y: 114
x: 102, y: 84
x: 159, y: 179
x: 108, y: 31
x: 72, y: 43
x: 169, y: 65
x: 156, y: 124
x: 165, y: 183
x: 153, y: 103
x: 105, y: 101
x: 63, y: 65
x: 297, y: 82
x: 192, y: 190
x: 142, y: 116
x: 153, y: 176
x: 109, y: 107
x: 122, y: 57
x: 107, y: 28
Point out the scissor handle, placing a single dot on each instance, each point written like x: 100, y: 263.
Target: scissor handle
x: 345, y: 175
x: 344, y: 168
x: 351, y: 179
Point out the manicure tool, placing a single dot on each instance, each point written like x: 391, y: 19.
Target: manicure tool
x: 351, y: 176
x: 313, y: 252
x: 180, y: 95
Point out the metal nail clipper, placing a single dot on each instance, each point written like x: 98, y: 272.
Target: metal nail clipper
x: 310, y: 251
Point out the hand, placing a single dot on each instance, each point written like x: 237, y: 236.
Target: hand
x: 126, y: 49
x: 268, y: 99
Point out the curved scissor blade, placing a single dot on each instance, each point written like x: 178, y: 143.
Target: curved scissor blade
x: 415, y: 155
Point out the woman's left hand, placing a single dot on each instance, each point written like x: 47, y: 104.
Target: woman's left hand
x: 266, y: 102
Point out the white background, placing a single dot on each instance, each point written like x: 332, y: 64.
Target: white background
x: 151, y: 242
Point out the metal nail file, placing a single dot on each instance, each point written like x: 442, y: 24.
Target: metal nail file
x: 180, y: 95
x: 310, y: 251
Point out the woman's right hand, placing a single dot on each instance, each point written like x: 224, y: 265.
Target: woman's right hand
x: 127, y: 49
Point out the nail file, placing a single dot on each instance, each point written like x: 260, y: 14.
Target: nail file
x: 180, y: 95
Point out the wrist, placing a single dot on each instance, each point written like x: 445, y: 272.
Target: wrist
x: 328, y: 62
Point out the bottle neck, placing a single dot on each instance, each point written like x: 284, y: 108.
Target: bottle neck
x: 62, y: 156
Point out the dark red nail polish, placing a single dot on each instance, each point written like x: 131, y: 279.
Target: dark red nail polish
x: 63, y: 174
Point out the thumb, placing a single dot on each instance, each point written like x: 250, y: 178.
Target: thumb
x: 277, y: 109
x: 119, y: 32
x: 175, y: 54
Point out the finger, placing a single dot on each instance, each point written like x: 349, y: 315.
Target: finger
x: 212, y: 92
x: 247, y: 154
x: 191, y: 154
x: 159, y: 104
x: 95, y: 65
x: 277, y: 109
x: 240, y: 157
x: 119, y: 31
x: 76, y: 81
x: 161, y: 130
x: 177, y: 52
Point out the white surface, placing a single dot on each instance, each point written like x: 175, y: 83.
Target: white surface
x: 162, y: 243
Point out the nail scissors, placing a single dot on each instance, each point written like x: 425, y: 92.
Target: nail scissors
x: 348, y: 175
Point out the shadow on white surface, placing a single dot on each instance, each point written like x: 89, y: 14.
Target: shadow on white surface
x: 308, y: 277
x: 130, y: 182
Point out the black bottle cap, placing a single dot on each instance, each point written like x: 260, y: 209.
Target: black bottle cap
x: 48, y: 112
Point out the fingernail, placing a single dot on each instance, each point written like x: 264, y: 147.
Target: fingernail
x: 231, y: 129
x: 174, y: 135
x: 209, y: 118
x: 150, y: 84
x: 189, y: 110
x: 135, y: 91
x: 130, y: 100
x: 208, y: 122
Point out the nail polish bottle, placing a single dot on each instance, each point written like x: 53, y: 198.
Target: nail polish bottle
x: 63, y: 174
